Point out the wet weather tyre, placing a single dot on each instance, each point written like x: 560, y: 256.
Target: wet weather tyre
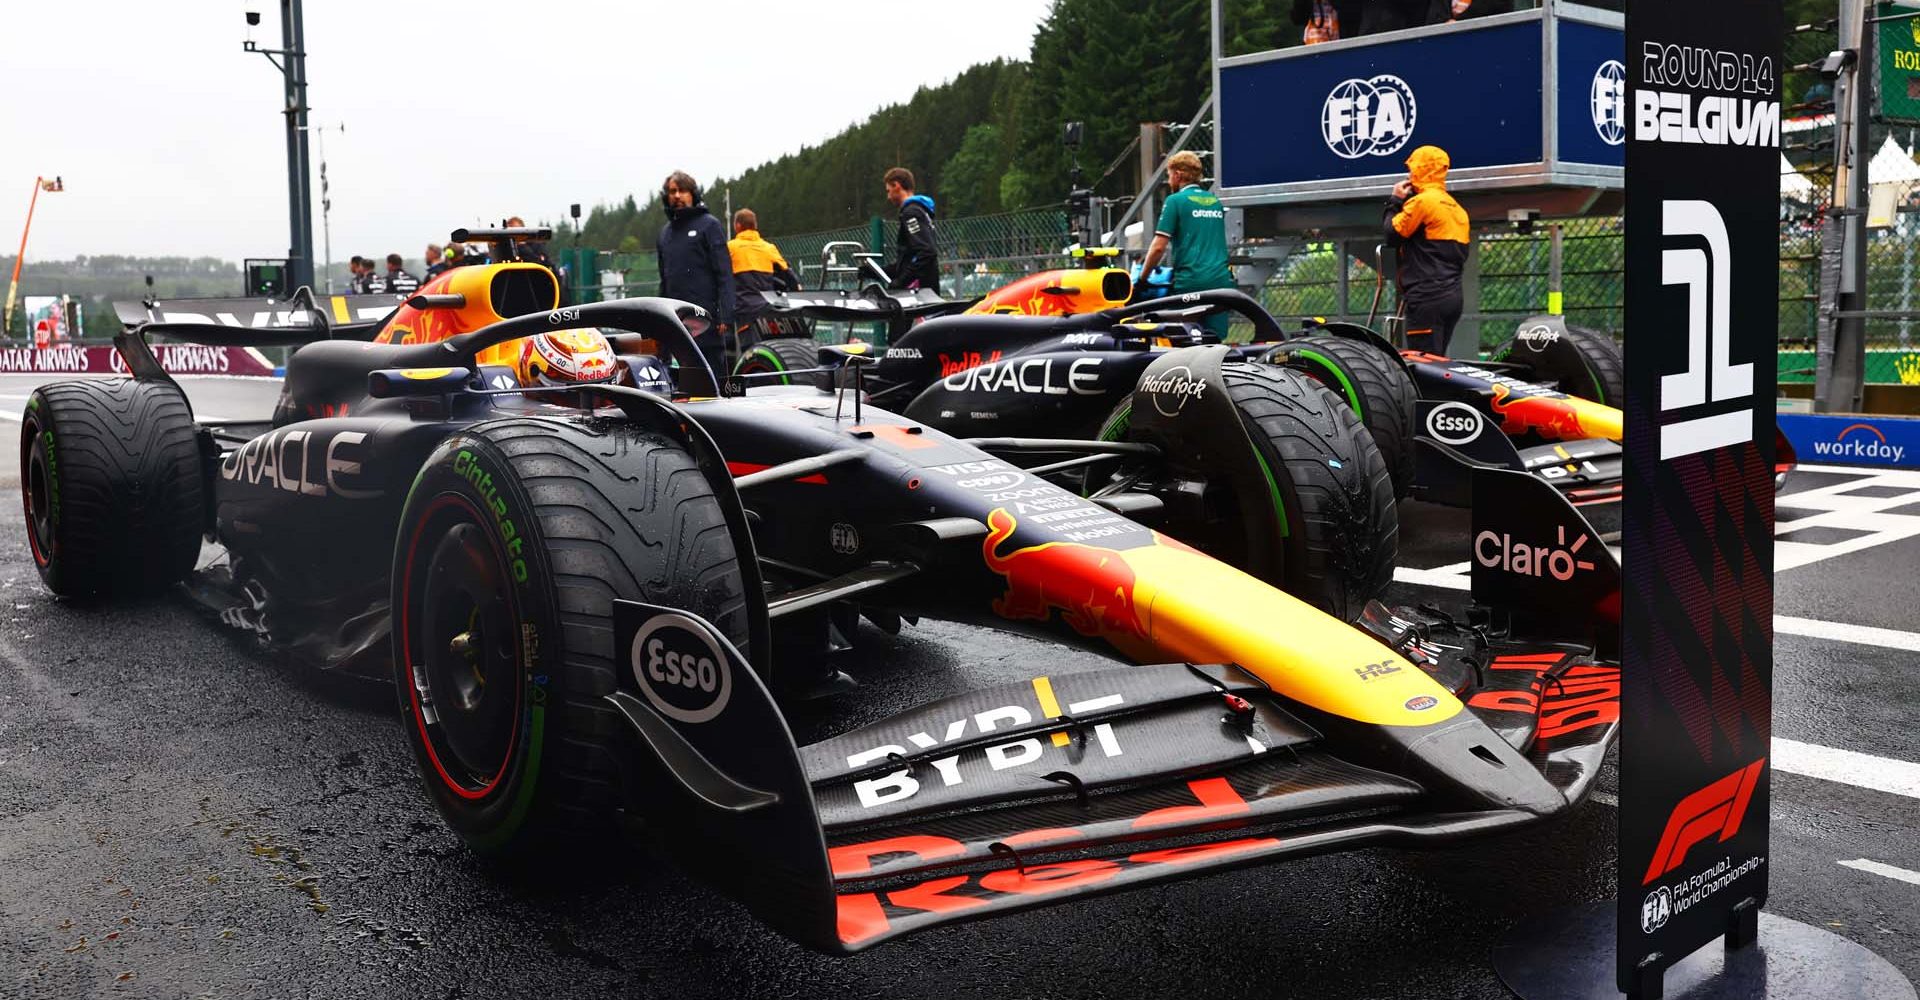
x: 1376, y: 386
x: 1592, y: 368
x: 781, y: 354
x: 113, y: 485
x: 515, y: 541
x: 1330, y: 489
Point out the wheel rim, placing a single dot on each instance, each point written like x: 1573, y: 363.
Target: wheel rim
x: 38, y: 499
x: 463, y: 649
x: 757, y: 362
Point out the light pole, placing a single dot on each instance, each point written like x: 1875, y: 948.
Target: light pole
x: 39, y: 184
x: 326, y: 199
x: 293, y: 72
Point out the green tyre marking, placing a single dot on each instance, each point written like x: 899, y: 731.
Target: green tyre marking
x: 53, y: 483
x: 1116, y: 428
x: 1273, y: 490
x: 1353, y: 396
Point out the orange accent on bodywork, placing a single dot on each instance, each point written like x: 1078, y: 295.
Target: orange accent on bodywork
x: 1561, y: 418
x: 746, y: 468
x: 430, y: 326
x: 1217, y: 798
x: 1084, y: 293
x: 861, y: 917
x: 1092, y: 587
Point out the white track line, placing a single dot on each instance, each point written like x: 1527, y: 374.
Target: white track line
x: 1864, y: 635
x: 1454, y: 578
x: 1876, y: 868
x: 1880, y: 774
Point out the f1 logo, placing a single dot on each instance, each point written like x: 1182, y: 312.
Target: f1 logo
x: 1717, y: 808
x: 1707, y: 274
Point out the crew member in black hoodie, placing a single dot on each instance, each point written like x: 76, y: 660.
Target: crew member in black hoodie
x: 694, y: 264
x: 918, y: 265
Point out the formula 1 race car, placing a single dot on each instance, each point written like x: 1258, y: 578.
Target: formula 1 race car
x: 586, y: 583
x: 1544, y: 406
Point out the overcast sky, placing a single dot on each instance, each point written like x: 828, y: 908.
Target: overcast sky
x: 170, y: 139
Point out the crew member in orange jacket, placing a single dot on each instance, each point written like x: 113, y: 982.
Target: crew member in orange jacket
x: 1430, y: 230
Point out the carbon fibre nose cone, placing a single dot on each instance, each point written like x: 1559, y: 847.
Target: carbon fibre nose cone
x: 1466, y: 762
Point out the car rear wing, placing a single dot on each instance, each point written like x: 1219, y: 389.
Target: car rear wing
x: 899, y: 309
x: 1004, y: 799
x: 242, y: 323
x: 342, y: 316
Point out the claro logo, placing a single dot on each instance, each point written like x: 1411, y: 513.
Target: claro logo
x: 1715, y: 809
x: 1498, y: 550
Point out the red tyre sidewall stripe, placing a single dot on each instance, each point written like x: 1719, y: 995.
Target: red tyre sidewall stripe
x: 406, y: 632
x: 26, y: 499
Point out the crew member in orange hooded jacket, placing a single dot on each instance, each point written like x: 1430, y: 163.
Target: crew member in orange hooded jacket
x: 1430, y: 230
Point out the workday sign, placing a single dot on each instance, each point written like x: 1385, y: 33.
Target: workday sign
x: 1851, y: 439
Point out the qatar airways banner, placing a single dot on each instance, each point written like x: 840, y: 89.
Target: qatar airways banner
x: 180, y: 359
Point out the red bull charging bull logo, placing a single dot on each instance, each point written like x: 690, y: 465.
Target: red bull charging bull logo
x: 1092, y: 586
x: 1548, y: 416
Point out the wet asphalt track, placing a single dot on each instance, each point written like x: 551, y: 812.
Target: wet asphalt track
x: 183, y: 817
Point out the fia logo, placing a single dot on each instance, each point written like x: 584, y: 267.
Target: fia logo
x: 1655, y: 909
x: 1372, y: 117
x: 1607, y: 101
x: 1707, y: 274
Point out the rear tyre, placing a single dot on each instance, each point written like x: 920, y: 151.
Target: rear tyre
x: 1593, y: 369
x: 776, y: 356
x: 113, y: 485
x: 516, y: 539
x: 1375, y: 386
x: 1330, y: 491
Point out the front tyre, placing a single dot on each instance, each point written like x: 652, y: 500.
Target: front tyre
x: 1373, y: 383
x: 516, y: 539
x: 113, y: 486
x: 1329, y: 489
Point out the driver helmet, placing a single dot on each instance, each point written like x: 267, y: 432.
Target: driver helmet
x: 565, y: 357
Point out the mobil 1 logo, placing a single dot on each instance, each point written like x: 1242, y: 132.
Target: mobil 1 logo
x: 679, y: 667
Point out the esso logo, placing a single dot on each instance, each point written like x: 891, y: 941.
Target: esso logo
x: 1607, y: 100
x: 1372, y: 117
x: 1454, y: 423
x: 680, y: 669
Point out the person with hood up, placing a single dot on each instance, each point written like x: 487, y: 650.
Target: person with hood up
x: 694, y: 264
x: 918, y: 265
x: 1431, y: 232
